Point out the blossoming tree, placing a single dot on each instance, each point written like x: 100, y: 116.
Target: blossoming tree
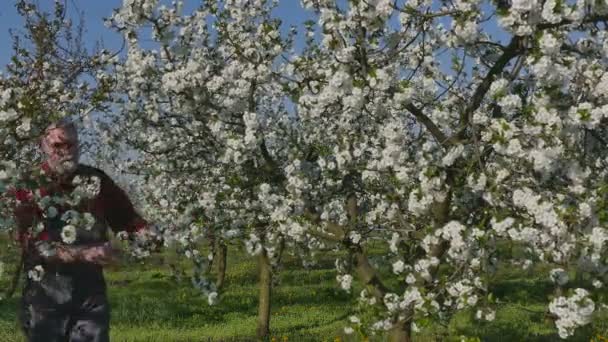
x: 447, y: 132
x: 452, y: 137
x: 51, y: 75
x: 205, y: 115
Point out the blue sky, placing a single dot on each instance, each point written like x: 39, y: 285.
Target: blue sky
x: 289, y: 11
x: 95, y: 10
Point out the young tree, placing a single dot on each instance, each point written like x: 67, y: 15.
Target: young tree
x: 206, y: 115
x: 51, y: 75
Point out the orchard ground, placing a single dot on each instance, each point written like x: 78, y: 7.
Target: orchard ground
x: 149, y: 304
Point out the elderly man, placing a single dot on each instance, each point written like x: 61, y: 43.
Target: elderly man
x: 63, y: 230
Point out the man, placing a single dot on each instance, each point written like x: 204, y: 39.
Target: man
x: 66, y: 243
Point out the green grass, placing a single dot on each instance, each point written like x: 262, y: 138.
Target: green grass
x: 148, y: 305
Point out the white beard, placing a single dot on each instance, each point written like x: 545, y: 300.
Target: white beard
x: 66, y: 167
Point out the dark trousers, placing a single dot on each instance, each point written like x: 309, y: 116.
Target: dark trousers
x: 79, y: 317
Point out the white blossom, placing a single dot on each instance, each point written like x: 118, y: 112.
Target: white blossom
x: 345, y: 281
x: 36, y: 273
x: 68, y: 234
x: 572, y: 312
x: 559, y: 276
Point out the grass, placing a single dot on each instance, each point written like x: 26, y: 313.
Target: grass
x: 148, y: 305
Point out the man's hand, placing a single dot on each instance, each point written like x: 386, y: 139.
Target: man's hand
x: 64, y: 254
x: 99, y: 254
x: 103, y: 254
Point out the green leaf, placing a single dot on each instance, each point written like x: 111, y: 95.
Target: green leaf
x: 502, y: 12
x: 585, y: 114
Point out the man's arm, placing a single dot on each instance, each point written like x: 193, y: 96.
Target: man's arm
x: 119, y: 211
x: 120, y: 216
x: 100, y: 254
x: 26, y: 214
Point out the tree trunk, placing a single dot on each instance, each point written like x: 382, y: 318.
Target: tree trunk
x: 367, y: 274
x: 212, y: 245
x: 221, y: 252
x: 265, y: 274
x: 401, y: 332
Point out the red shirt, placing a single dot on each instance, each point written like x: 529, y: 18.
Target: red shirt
x: 111, y: 205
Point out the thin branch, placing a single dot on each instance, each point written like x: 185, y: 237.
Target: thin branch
x: 428, y: 123
x: 588, y: 20
x: 512, y: 50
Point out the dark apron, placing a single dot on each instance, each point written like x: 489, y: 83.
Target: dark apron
x: 69, y: 303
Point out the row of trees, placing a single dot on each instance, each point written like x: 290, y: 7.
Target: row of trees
x: 463, y: 136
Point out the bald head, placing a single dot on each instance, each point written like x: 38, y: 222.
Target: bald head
x: 60, y: 145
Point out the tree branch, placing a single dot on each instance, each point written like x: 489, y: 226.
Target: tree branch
x: 338, y: 232
x: 428, y: 123
x: 512, y: 50
x: 588, y: 20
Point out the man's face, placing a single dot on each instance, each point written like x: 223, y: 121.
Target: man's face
x: 61, y: 148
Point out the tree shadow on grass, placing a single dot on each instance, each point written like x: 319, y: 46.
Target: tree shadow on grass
x: 162, y: 302
x: 530, y: 290
x: 313, y: 277
x: 521, y: 314
x: 170, y: 304
x: 8, y: 309
x: 311, y: 295
x: 301, y: 331
x: 512, y: 331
